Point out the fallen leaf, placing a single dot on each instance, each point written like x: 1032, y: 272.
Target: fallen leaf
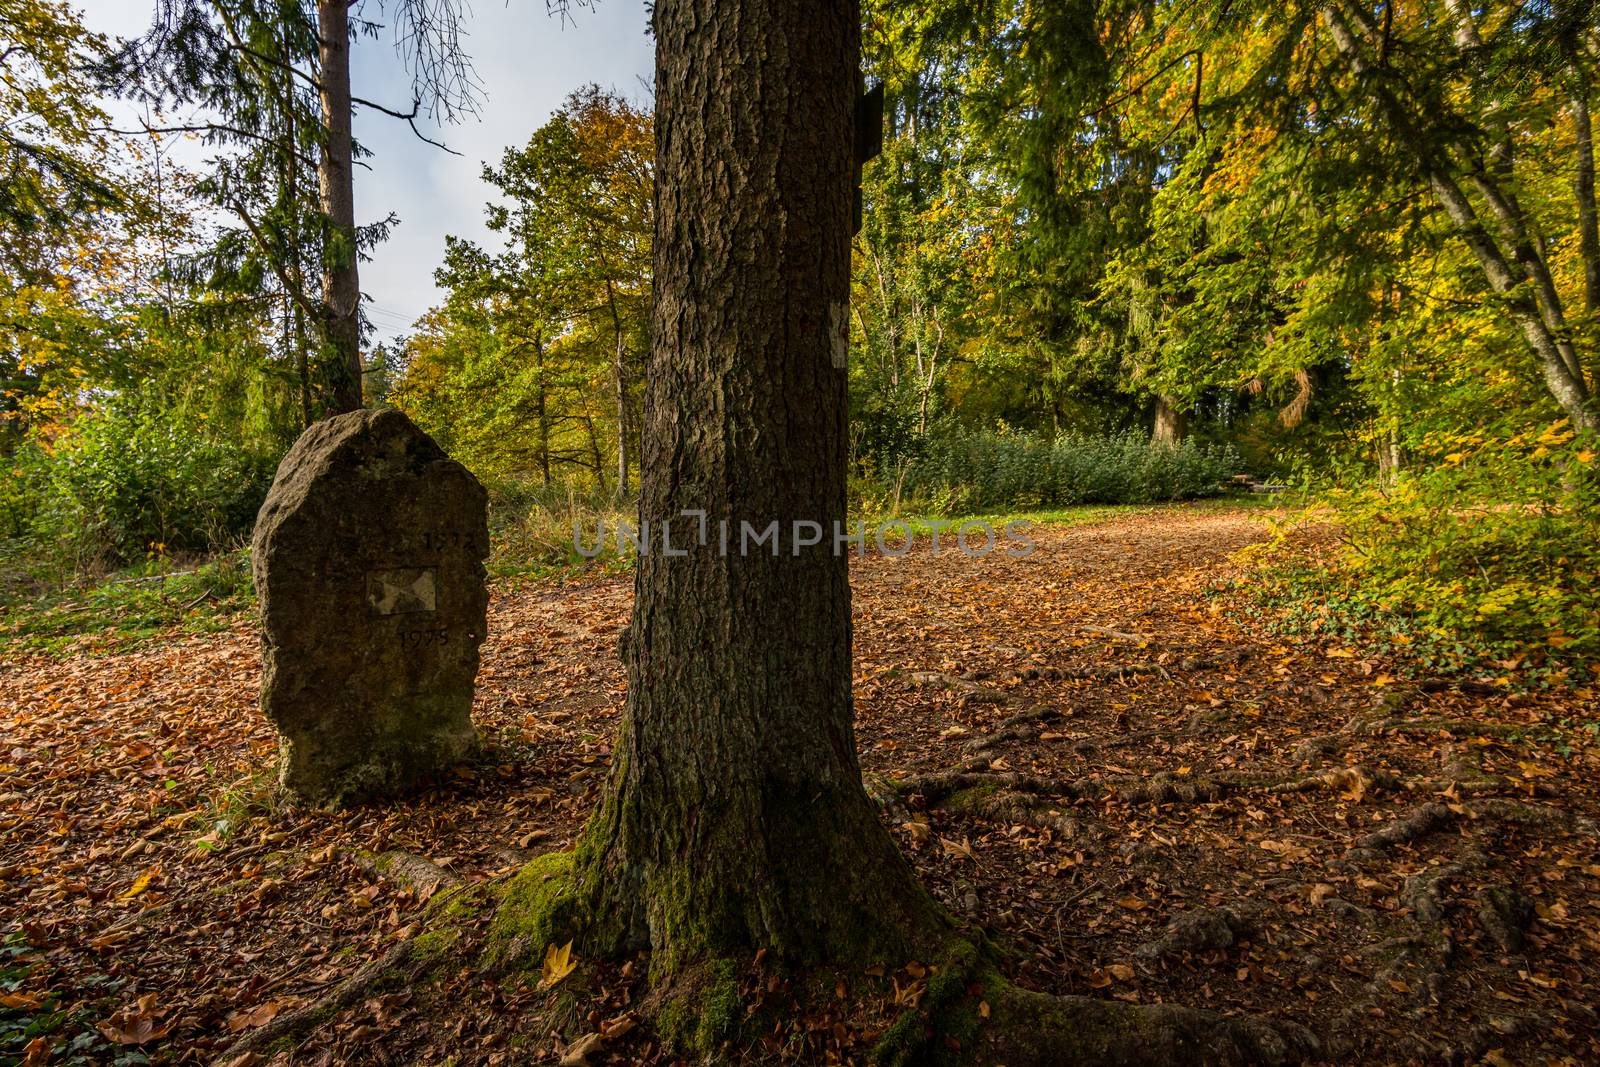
x: 578, y: 1053
x: 558, y: 963
x: 260, y: 1015
x: 140, y: 884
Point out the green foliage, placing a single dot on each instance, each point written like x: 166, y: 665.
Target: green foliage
x: 533, y: 365
x: 531, y: 526
x: 127, y: 605
x: 66, y: 1027
x: 124, y: 483
x: 1491, y: 558
x: 964, y: 470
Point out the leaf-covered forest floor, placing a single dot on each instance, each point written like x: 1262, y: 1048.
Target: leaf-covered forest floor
x: 1083, y: 751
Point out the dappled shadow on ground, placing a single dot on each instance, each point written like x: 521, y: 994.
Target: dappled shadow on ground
x: 1080, y: 751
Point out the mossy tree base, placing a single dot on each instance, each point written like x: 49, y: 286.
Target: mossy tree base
x: 967, y: 1013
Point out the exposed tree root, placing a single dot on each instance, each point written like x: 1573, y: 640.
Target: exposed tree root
x: 973, y: 1015
x: 418, y: 873
x: 1426, y: 818
x: 1019, y: 727
x: 398, y: 967
x: 1418, y: 822
x: 1187, y: 664
x: 1035, y: 1030
x: 1018, y: 807
x: 1505, y: 913
x: 1162, y: 788
x: 1201, y: 930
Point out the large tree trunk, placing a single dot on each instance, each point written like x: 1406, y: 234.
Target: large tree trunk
x: 341, y: 283
x: 735, y: 818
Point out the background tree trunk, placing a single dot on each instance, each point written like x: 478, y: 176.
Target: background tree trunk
x: 341, y: 283
x: 1172, y: 422
x: 1583, y: 187
x: 735, y: 817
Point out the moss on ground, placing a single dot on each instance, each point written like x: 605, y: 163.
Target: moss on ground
x: 969, y: 799
x: 536, y: 908
x: 431, y: 944
x: 943, y: 1027
x: 704, y: 1009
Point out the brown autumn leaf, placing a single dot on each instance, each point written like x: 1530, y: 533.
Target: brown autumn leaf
x: 250, y: 1018
x: 577, y: 1054
x: 962, y: 848
x: 132, y: 1028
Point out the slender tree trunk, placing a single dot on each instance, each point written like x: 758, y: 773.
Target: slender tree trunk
x: 1569, y: 390
x: 542, y: 410
x: 735, y: 817
x: 1172, y: 422
x: 619, y: 381
x: 341, y: 283
x: 1588, y: 219
x: 291, y: 178
x: 302, y: 366
x: 594, y: 451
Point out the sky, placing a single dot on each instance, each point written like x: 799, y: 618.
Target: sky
x: 527, y: 63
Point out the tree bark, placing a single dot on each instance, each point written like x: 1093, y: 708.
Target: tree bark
x: 1588, y: 218
x: 542, y: 412
x: 735, y: 817
x: 1172, y: 422
x: 341, y: 283
x: 599, y: 462
x: 619, y: 381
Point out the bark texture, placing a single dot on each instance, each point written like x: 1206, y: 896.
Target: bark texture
x: 1172, y: 422
x: 341, y: 283
x: 735, y: 818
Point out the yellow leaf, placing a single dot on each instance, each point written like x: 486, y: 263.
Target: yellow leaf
x: 558, y: 963
x: 140, y: 884
x: 1132, y: 903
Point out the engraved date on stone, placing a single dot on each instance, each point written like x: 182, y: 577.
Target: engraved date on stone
x: 403, y: 591
x: 438, y: 539
x: 412, y: 640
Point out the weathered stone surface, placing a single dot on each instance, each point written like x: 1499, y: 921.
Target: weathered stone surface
x: 368, y: 558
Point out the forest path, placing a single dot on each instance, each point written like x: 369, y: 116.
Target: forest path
x: 1081, y: 750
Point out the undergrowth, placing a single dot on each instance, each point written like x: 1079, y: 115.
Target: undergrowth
x: 1489, y: 562
x: 198, y: 596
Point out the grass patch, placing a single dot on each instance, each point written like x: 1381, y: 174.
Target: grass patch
x: 128, y: 606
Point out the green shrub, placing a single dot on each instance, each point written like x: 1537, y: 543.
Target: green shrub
x: 531, y: 524
x: 1492, y: 556
x: 122, y: 483
x: 961, y: 470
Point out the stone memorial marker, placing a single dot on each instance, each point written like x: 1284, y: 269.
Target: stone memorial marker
x: 368, y: 558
